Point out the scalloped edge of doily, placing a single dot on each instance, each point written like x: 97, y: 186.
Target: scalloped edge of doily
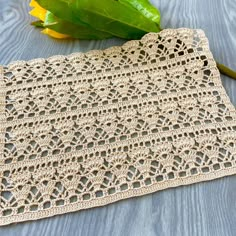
x: 116, y: 197
x: 127, y: 44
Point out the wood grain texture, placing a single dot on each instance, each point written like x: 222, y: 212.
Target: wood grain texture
x: 202, y: 209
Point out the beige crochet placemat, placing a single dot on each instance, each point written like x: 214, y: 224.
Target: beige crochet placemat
x: 86, y: 130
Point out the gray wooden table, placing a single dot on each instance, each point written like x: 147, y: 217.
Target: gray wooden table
x: 202, y: 209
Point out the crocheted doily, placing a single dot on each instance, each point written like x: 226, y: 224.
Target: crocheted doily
x: 86, y: 130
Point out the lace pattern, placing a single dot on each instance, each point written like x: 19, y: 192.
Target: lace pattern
x: 86, y: 130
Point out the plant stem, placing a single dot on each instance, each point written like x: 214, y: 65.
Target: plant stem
x: 226, y: 71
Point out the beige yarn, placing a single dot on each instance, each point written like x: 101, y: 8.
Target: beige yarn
x: 86, y: 130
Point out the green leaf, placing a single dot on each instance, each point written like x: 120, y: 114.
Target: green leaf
x: 145, y: 8
x: 37, y: 23
x: 61, y: 9
x: 74, y: 30
x: 105, y: 15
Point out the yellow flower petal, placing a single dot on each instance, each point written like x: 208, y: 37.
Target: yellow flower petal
x: 33, y: 3
x: 55, y: 34
x: 39, y: 13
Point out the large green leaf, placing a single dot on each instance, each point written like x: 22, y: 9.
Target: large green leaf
x: 105, y: 15
x: 145, y: 8
x: 61, y: 9
x: 74, y: 30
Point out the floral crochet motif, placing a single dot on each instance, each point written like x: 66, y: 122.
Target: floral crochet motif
x: 85, y: 130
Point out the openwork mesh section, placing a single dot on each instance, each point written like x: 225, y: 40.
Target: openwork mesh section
x: 86, y: 130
